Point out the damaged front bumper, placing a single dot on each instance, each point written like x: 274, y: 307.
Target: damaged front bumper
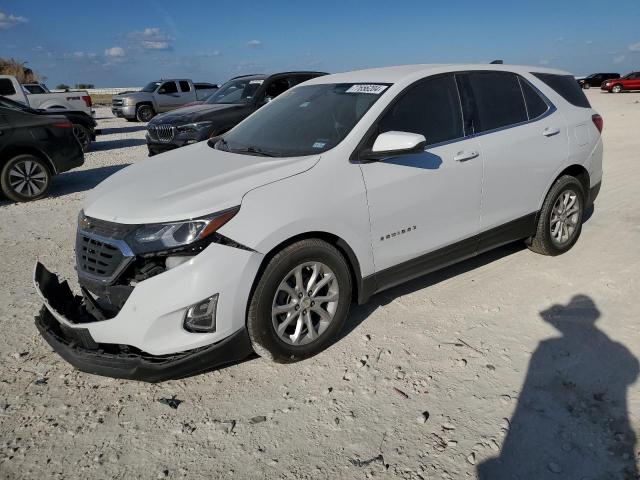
x: 146, y: 339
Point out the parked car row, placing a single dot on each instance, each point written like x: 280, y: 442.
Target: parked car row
x: 77, y: 101
x: 261, y: 239
x: 611, y: 82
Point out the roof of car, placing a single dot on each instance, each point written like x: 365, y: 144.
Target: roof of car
x: 401, y: 72
x: 263, y: 76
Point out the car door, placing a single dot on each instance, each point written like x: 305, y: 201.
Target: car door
x: 523, y: 140
x: 634, y: 82
x: 168, y: 97
x: 421, y: 203
x: 5, y: 127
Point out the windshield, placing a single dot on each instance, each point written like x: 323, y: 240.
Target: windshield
x: 150, y: 87
x: 242, y: 90
x: 303, y: 121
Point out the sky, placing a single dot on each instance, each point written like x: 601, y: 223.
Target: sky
x: 116, y: 43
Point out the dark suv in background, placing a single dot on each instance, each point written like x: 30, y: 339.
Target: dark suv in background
x: 596, y: 79
x: 232, y: 103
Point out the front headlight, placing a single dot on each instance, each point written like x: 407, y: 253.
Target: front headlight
x: 163, y: 236
x: 193, y: 127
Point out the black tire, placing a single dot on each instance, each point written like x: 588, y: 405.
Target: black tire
x: 83, y: 135
x: 543, y: 242
x: 144, y: 113
x: 262, y: 332
x: 38, y: 178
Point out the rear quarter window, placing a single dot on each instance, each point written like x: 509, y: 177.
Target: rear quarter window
x: 565, y: 86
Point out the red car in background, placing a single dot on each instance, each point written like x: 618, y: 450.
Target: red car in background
x: 628, y: 82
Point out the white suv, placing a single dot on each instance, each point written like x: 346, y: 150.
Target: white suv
x: 341, y: 187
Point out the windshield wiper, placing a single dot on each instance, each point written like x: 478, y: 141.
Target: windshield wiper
x: 254, y: 151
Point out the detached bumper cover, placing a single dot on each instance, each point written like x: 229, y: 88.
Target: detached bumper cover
x: 76, y: 345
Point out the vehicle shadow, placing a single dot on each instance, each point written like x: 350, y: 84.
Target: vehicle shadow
x: 572, y: 417
x: 112, y: 130
x: 103, y: 145
x: 81, y: 180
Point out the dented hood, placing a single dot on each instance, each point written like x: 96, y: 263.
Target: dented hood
x: 186, y: 183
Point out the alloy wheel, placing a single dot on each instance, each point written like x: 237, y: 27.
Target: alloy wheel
x: 28, y: 178
x: 305, y: 303
x: 565, y: 217
x: 82, y: 135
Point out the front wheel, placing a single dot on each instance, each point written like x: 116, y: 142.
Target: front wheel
x: 300, y: 302
x: 560, y: 219
x: 144, y: 113
x: 25, y: 178
x: 617, y: 89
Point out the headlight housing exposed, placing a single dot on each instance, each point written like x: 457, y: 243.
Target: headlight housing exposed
x: 193, y: 127
x: 167, y: 236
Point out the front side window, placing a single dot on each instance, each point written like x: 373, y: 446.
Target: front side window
x: 430, y: 108
x: 184, y: 86
x: 276, y: 87
x: 168, y: 87
x: 6, y: 87
x: 306, y: 120
x: 498, y: 100
x: 236, y: 91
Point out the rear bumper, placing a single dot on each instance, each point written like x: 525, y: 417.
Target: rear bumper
x: 67, y: 326
x: 593, y: 193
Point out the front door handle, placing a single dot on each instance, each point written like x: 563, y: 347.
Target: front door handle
x: 550, y: 131
x: 464, y: 156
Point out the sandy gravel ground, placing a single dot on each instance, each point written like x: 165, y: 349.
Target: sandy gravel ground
x: 511, y: 365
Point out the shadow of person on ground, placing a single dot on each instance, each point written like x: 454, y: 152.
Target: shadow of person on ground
x: 571, y: 421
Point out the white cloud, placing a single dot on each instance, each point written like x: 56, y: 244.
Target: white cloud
x: 114, y: 52
x: 151, y: 38
x: 635, y: 47
x: 254, y: 43
x: 10, y: 20
x: 619, y: 58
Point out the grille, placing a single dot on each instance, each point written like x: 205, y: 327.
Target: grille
x: 161, y: 133
x: 117, y: 102
x: 100, y: 251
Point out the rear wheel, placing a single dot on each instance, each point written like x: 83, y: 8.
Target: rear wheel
x: 144, y: 113
x: 83, y: 135
x: 617, y: 89
x: 560, y: 219
x: 300, y: 303
x: 25, y: 178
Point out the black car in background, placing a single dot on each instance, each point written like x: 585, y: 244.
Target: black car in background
x: 232, y: 103
x: 596, y: 79
x: 84, y: 126
x: 34, y: 148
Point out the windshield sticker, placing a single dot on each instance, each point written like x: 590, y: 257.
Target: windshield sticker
x: 255, y: 82
x: 319, y: 145
x: 367, y: 88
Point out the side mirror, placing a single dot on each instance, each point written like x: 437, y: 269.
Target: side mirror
x: 391, y: 144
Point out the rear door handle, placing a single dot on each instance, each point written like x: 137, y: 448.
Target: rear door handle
x: 464, y: 156
x: 550, y: 131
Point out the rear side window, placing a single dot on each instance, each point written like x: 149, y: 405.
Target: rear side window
x: 536, y: 106
x: 498, y: 99
x: 184, y: 86
x: 6, y: 87
x: 565, y: 86
x: 432, y: 108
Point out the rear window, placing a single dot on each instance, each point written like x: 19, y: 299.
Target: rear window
x: 565, y: 86
x: 498, y: 100
x: 6, y: 87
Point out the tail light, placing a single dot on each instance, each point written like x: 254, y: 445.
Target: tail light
x: 598, y: 122
x: 87, y: 100
x: 62, y: 124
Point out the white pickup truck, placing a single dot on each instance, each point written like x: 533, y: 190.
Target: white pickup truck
x: 78, y: 101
